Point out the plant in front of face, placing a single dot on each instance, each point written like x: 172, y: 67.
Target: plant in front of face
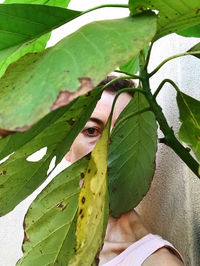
x: 46, y: 97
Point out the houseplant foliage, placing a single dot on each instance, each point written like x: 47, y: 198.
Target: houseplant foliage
x: 46, y: 97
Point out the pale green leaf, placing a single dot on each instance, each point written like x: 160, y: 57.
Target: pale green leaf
x: 50, y: 222
x: 131, y: 157
x: 12, y: 30
x: 19, y: 177
x: 31, y: 86
x: 189, y: 132
x: 173, y: 15
x: 93, y: 205
x: 132, y: 66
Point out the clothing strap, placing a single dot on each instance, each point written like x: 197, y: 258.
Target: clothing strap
x: 139, y: 251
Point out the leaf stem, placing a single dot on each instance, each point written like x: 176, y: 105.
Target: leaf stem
x: 123, y: 72
x: 170, y: 58
x: 102, y: 6
x: 162, y: 84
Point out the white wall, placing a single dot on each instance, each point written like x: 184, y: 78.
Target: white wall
x: 171, y: 208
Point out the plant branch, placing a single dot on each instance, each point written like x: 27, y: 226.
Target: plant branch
x: 170, y: 58
x: 170, y: 138
x: 148, y: 55
x: 123, y: 72
x: 102, y: 6
x: 162, y: 84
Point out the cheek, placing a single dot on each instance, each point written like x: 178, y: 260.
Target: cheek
x: 80, y: 148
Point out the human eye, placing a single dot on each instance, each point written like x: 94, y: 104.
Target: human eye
x: 91, y: 132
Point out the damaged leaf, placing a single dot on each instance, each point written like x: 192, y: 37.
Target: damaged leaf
x: 93, y: 205
x: 56, y: 132
x: 50, y: 222
x: 131, y: 157
x: 173, y: 16
x: 31, y: 86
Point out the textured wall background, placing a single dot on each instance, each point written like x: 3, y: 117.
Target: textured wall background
x: 171, y: 208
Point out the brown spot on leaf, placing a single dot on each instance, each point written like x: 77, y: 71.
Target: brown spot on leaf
x: 71, y: 121
x: 82, y: 175
x: 4, y: 172
x: 67, y: 71
x: 81, y: 210
x: 1, y: 186
x: 89, y: 170
x: 82, y: 216
x: 83, y: 200
x: 59, y: 205
x: 65, y: 97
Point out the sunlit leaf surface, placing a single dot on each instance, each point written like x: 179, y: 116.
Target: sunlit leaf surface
x: 19, y: 177
x: 50, y: 223
x: 93, y: 205
x: 131, y: 159
x: 173, y: 15
x: 30, y: 87
x: 189, y: 132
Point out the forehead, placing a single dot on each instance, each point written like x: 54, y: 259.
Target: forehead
x: 103, y: 107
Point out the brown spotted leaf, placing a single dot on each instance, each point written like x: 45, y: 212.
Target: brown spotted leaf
x: 31, y: 86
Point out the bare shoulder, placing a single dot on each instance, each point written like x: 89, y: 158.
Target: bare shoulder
x: 163, y: 257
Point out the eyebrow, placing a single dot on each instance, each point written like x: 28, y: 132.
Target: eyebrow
x: 96, y: 120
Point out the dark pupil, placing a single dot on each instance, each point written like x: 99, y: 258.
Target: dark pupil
x: 91, y: 130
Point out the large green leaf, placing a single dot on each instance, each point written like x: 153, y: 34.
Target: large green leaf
x: 19, y: 177
x: 17, y: 24
x: 30, y: 87
x: 173, y: 15
x: 131, y: 157
x: 189, y: 132
x: 50, y: 223
x: 21, y: 23
x: 191, y: 32
x: 60, y: 3
x: 93, y: 205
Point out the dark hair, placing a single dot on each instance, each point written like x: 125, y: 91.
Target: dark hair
x: 117, y: 85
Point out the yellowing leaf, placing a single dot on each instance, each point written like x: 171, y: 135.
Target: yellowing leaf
x: 93, y: 205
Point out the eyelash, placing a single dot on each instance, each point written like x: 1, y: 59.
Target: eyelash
x: 91, y: 135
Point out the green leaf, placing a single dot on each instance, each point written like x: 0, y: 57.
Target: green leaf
x: 50, y: 222
x: 60, y: 3
x: 173, y: 15
x: 19, y: 25
x: 30, y: 86
x: 19, y: 177
x: 195, y: 48
x: 132, y: 66
x: 131, y: 157
x: 93, y: 205
x: 189, y: 131
x: 191, y: 32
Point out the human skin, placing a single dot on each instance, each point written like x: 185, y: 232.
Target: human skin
x: 128, y: 228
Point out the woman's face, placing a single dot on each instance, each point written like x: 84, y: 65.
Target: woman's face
x: 87, y: 138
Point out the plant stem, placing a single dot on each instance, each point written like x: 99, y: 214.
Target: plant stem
x: 162, y: 84
x: 170, y: 138
x: 102, y: 6
x: 170, y: 58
